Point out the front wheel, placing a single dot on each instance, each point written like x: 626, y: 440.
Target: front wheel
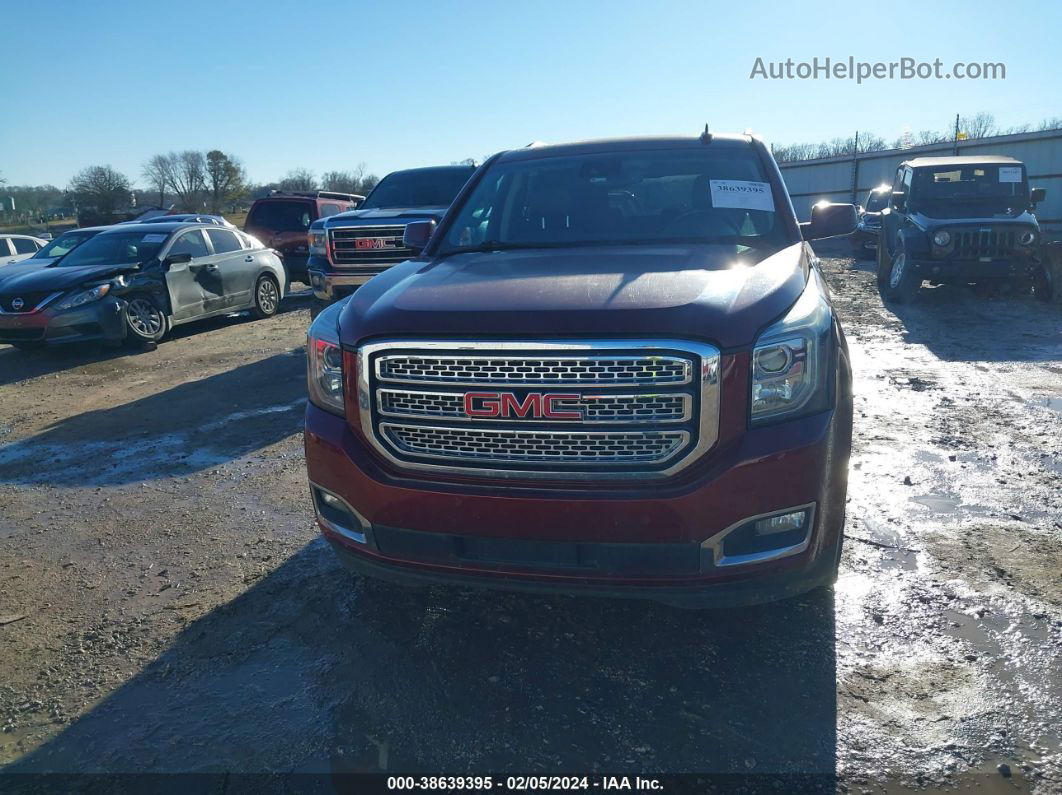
x: 145, y: 320
x: 266, y: 297
x: 898, y: 280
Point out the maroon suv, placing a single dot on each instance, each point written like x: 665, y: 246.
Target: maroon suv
x: 613, y: 368
x: 281, y: 221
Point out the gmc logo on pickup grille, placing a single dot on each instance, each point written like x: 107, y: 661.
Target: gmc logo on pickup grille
x: 535, y: 405
x: 372, y: 242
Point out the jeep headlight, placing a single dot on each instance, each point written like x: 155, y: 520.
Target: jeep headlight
x: 324, y: 364
x: 790, y: 359
x: 83, y: 297
x: 1027, y: 238
x: 942, y: 238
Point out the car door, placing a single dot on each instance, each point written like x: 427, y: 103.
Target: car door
x: 188, y: 297
x: 236, y: 266
x: 890, y: 218
x: 25, y: 247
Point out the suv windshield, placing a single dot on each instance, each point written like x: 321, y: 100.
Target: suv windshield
x: 421, y: 188
x: 64, y: 244
x: 118, y: 248
x: 877, y: 201
x: 990, y: 184
x: 709, y: 195
x: 279, y: 215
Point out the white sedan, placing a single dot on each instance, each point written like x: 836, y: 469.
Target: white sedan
x: 17, y: 247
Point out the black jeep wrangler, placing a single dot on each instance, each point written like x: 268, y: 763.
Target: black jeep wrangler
x: 959, y: 220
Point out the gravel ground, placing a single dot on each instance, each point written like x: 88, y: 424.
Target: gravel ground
x: 166, y: 604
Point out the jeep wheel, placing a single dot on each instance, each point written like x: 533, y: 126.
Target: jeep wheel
x: 1045, y: 283
x: 145, y: 320
x: 266, y: 297
x: 900, y: 282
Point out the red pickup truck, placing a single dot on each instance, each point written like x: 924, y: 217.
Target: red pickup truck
x: 612, y: 368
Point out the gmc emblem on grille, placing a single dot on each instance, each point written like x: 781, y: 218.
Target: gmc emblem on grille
x: 373, y: 242
x: 535, y: 405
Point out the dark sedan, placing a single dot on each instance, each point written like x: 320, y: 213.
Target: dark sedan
x: 135, y: 282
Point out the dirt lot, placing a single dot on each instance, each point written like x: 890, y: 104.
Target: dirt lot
x: 176, y: 610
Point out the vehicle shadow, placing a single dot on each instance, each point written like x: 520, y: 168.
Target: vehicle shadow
x: 314, y: 671
x: 958, y: 323
x: 190, y: 427
x: 17, y: 365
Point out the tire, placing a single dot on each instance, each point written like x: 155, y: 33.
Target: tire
x: 146, y: 322
x: 1047, y: 286
x: 898, y: 281
x: 266, y: 297
x: 317, y: 307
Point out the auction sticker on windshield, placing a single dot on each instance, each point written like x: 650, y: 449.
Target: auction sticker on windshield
x: 1010, y: 173
x: 741, y: 194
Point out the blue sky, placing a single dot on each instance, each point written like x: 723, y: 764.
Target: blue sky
x: 401, y: 84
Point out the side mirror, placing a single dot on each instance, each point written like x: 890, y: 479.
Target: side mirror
x: 417, y: 235
x: 177, y: 259
x: 830, y: 220
x: 899, y: 199
x: 1037, y: 195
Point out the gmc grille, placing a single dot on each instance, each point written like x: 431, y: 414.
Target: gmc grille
x: 607, y: 409
x: 367, y: 246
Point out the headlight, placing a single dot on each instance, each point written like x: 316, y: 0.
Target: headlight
x: 1027, y: 238
x: 84, y: 297
x: 324, y: 362
x: 790, y: 360
x: 317, y: 241
x: 942, y: 238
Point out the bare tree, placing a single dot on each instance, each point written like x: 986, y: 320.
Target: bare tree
x: 299, y: 179
x: 100, y: 187
x: 226, y: 178
x: 980, y: 125
x: 1053, y: 123
x: 188, y: 178
x: 157, y: 172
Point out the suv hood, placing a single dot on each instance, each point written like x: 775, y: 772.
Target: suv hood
x: 39, y: 278
x: 679, y: 291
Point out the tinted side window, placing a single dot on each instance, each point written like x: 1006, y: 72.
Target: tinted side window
x: 190, y: 243
x: 330, y: 209
x: 24, y: 246
x: 5, y: 249
x: 224, y: 241
x: 281, y: 216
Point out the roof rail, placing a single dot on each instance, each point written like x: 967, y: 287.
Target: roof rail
x: 319, y: 194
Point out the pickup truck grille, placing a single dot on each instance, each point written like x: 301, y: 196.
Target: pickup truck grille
x: 551, y: 409
x: 357, y: 246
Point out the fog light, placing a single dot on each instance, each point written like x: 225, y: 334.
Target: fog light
x: 762, y: 538
x: 782, y: 523
x: 338, y: 516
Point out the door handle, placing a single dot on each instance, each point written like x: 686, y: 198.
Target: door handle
x: 248, y: 258
x: 211, y: 267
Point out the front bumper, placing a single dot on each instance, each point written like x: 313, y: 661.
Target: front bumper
x: 329, y: 286
x: 966, y: 270
x: 655, y: 541
x: 99, y: 321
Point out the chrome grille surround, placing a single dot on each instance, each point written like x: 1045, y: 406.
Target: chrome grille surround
x: 344, y: 254
x: 425, y: 429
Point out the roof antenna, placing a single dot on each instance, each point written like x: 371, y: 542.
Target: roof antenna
x: 706, y: 136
